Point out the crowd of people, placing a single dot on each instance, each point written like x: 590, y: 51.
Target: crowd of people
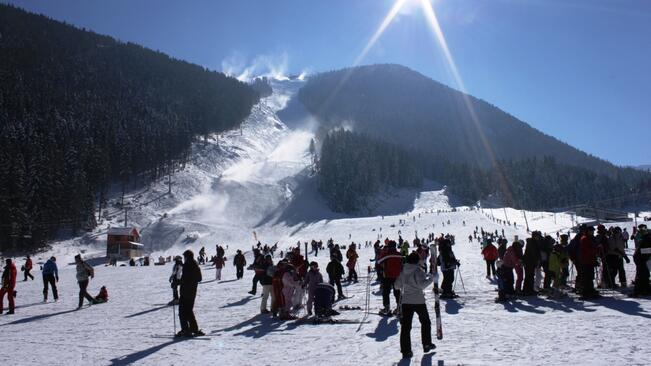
x: 545, y: 265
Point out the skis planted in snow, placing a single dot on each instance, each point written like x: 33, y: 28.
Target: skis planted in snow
x: 437, y: 306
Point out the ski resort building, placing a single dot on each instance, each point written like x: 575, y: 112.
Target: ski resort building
x: 123, y: 242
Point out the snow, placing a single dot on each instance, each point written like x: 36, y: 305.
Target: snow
x: 259, y: 181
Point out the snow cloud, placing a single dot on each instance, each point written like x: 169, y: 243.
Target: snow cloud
x: 245, y: 69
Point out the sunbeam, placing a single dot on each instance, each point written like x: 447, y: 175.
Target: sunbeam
x: 433, y: 22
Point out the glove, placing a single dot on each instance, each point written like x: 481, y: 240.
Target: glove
x: 627, y: 259
x: 458, y: 264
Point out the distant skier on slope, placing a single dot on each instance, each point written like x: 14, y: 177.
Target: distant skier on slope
x: 27, y: 268
x: 50, y: 277
x: 8, y: 286
x: 490, y: 255
x: 84, y: 273
x: 239, y: 262
x: 411, y: 282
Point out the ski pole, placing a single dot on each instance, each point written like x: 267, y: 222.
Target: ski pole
x: 174, y: 316
x: 461, y: 278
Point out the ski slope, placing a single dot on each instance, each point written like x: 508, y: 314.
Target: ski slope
x: 258, y: 180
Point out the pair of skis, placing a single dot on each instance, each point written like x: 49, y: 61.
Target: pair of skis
x: 437, y: 306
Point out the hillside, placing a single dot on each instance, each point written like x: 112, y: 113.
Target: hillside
x: 80, y: 111
x: 383, y: 100
x: 429, y: 122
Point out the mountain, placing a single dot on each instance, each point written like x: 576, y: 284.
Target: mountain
x: 402, y: 106
x: 80, y: 111
x: 494, y: 155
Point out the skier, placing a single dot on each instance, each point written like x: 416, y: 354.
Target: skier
x: 490, y: 256
x: 290, y: 285
x: 449, y: 263
x: 239, y: 262
x: 190, y: 278
x: 84, y: 273
x: 588, y: 259
x: 411, y: 282
x: 351, y: 255
x: 391, y: 262
x: 312, y: 279
x: 640, y: 258
x: 175, y: 279
x: 202, y: 255
x: 278, y: 303
x: 50, y: 276
x: 531, y: 260
x: 8, y: 286
x: 335, y: 271
x: 27, y: 268
x: 258, y: 264
x: 266, y: 281
x: 219, y: 264
x: 616, y: 256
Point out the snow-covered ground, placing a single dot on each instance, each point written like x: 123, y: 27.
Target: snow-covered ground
x: 259, y: 181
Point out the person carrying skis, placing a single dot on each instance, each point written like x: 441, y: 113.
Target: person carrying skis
x: 50, y: 276
x: 490, y: 256
x: 27, y: 268
x: 391, y: 262
x: 312, y: 279
x: 239, y: 262
x: 335, y: 271
x: 84, y: 273
x: 411, y: 282
x: 8, y: 286
x: 175, y: 279
x: 449, y: 263
x: 351, y: 255
x: 190, y: 278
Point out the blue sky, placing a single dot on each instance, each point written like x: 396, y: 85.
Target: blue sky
x: 577, y: 70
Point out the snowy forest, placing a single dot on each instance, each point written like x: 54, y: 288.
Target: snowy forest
x: 81, y: 111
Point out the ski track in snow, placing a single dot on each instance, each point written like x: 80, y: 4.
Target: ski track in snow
x: 256, y: 171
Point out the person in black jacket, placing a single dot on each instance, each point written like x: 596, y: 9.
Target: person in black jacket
x: 190, y: 278
x: 335, y: 271
x: 531, y: 260
x: 448, y: 263
x: 239, y: 262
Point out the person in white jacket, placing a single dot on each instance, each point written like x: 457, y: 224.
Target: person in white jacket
x: 290, y: 284
x: 411, y: 282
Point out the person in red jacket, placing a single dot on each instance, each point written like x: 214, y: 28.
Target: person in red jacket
x: 588, y: 251
x: 8, y: 285
x: 490, y: 256
x: 28, y: 268
x: 391, y: 262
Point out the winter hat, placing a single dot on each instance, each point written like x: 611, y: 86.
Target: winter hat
x: 413, y: 258
x: 188, y: 254
x: 313, y: 263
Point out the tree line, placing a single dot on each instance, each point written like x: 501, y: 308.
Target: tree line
x: 80, y: 111
x: 353, y: 167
